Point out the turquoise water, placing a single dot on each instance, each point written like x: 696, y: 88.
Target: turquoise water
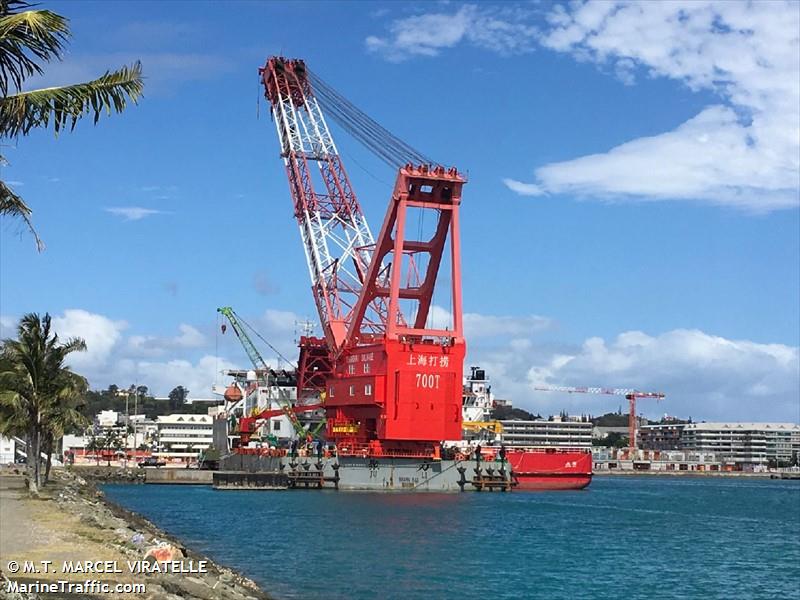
x: 622, y: 538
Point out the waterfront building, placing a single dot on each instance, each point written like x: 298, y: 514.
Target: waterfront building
x: 665, y: 436
x: 744, y: 443
x: 7, y: 450
x: 558, y: 432
x: 601, y: 433
x: 183, y: 436
x: 606, y: 459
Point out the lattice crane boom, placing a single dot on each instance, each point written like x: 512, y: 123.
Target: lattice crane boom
x: 631, y: 394
x: 600, y: 390
x: 336, y: 238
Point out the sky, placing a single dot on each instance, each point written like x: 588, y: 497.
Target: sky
x: 631, y: 217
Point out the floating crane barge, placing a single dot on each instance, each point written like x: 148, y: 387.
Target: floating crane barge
x: 391, y: 382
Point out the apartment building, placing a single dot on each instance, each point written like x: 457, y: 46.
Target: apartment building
x: 743, y: 442
x: 183, y: 436
x: 562, y: 433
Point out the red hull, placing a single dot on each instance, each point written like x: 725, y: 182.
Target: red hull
x: 550, y: 468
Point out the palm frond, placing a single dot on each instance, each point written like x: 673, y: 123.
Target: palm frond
x: 19, y: 113
x: 14, y: 206
x: 26, y: 37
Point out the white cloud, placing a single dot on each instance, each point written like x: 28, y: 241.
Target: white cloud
x: 704, y: 376
x: 164, y: 71
x: 8, y: 327
x: 100, y: 333
x: 744, y: 153
x: 280, y: 320
x: 133, y: 213
x: 151, y: 346
x: 477, y: 325
x: 197, y: 377
x: 427, y: 34
x: 159, y: 362
x: 189, y: 337
x: 524, y: 189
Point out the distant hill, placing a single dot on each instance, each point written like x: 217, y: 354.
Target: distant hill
x: 610, y: 420
x: 509, y: 413
x: 95, y: 401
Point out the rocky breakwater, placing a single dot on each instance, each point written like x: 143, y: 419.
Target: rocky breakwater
x: 143, y: 553
x: 102, y: 474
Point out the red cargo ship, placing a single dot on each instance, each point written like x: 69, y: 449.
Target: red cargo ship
x: 550, y: 468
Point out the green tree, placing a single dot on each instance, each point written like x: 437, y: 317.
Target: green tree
x: 93, y: 445
x: 62, y: 416
x: 28, y: 38
x: 33, y: 381
x: 177, y: 397
x: 111, y: 443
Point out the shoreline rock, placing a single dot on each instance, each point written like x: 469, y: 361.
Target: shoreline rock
x: 130, y: 535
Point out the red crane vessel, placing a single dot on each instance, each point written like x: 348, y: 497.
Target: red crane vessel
x: 390, y: 379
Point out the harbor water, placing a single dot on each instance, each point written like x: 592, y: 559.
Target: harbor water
x: 623, y: 537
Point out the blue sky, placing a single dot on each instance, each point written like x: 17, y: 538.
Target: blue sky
x: 631, y: 217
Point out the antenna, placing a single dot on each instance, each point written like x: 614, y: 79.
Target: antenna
x: 303, y: 328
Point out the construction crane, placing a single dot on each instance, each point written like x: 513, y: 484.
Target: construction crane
x: 630, y: 394
x: 248, y: 423
x: 393, y: 383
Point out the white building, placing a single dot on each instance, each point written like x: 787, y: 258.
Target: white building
x: 567, y: 434
x: 141, y: 432
x: 7, y: 449
x: 743, y: 443
x: 183, y: 436
x: 107, y: 419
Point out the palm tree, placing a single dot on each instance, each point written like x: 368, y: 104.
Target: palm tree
x: 111, y: 443
x: 63, y: 414
x: 94, y: 446
x: 33, y: 379
x: 27, y: 38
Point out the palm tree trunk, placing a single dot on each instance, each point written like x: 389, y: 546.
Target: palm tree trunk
x: 33, y: 460
x: 39, y: 469
x: 48, y: 448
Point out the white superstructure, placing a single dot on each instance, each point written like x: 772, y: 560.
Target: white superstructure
x: 478, y: 401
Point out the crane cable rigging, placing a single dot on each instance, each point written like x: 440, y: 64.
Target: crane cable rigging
x: 379, y: 140
x: 254, y: 331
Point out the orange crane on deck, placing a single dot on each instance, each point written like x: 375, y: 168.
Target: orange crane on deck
x: 630, y: 394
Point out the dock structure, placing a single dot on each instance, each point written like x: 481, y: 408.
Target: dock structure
x: 177, y: 476
x: 362, y: 473
x: 244, y: 480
